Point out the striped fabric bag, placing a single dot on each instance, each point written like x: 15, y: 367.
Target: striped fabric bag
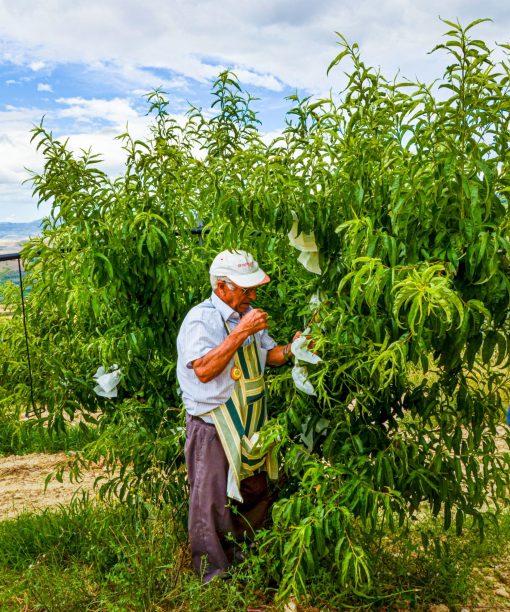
x: 239, y: 420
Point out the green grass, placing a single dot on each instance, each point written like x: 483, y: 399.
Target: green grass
x: 91, y: 556
x: 21, y: 437
x: 95, y: 557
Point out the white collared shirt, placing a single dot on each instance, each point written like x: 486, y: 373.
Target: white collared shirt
x: 200, y: 332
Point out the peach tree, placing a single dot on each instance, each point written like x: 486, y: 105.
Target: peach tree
x: 403, y: 187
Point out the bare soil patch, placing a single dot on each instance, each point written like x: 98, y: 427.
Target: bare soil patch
x: 22, y: 483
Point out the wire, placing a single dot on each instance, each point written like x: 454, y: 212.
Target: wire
x: 26, y: 338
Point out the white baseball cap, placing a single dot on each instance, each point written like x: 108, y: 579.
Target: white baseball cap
x: 239, y: 267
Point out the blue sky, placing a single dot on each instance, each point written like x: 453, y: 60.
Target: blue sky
x: 85, y: 65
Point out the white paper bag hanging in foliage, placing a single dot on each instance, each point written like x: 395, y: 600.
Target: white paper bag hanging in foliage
x: 311, y: 262
x: 305, y: 243
x: 300, y: 351
x: 300, y: 378
x: 107, y: 381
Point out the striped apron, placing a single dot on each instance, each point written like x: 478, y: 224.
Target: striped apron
x: 240, y: 418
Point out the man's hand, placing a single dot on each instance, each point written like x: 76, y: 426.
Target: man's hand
x: 252, y: 322
x: 211, y: 365
x: 282, y: 354
x: 311, y: 343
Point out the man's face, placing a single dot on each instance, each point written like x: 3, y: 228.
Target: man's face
x: 237, y: 298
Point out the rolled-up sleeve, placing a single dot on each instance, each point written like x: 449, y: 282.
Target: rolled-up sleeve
x: 266, y: 342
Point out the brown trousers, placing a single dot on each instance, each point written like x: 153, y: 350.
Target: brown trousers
x: 210, y: 519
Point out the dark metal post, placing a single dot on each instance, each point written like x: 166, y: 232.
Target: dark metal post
x: 26, y: 338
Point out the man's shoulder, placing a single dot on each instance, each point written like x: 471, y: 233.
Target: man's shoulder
x: 201, y: 312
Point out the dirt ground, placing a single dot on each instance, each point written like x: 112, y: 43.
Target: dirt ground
x: 22, y: 483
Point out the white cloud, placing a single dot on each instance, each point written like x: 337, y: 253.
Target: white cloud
x: 273, y: 41
x: 117, y: 111
x: 267, y: 81
x: 44, y: 87
x: 36, y: 66
x: 17, y: 204
x: 127, y: 76
x: 101, y: 121
x: 269, y: 137
x: 19, y: 156
x: 16, y: 152
x: 4, y: 139
x: 281, y: 41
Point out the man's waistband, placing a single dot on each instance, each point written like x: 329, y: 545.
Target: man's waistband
x: 202, y: 420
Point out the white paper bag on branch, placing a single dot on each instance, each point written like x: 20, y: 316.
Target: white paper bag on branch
x: 107, y: 381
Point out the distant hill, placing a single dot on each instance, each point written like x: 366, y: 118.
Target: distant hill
x: 12, y: 235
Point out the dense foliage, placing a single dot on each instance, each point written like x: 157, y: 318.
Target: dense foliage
x: 404, y: 187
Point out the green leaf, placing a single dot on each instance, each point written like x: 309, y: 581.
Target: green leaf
x: 337, y: 59
x: 489, y: 344
x: 473, y: 346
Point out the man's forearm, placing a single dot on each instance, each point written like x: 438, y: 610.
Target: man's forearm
x: 278, y: 356
x: 211, y: 365
x: 216, y: 360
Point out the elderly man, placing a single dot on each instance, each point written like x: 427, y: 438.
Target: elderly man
x: 223, y: 347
